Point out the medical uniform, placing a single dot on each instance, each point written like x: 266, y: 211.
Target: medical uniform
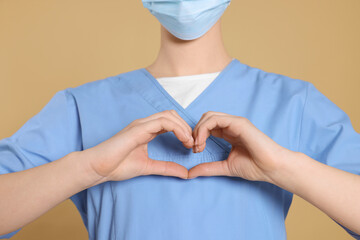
x: 291, y: 111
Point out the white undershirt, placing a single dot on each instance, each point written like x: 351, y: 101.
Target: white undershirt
x: 184, y: 89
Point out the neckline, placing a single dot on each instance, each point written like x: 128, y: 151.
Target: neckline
x: 162, y: 90
x: 189, y: 77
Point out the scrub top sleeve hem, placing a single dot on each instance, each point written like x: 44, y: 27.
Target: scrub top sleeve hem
x: 327, y: 135
x: 48, y: 135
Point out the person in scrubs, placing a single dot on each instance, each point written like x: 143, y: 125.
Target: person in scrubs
x: 218, y: 156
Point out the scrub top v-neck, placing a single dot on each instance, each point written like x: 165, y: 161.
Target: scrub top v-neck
x: 185, y: 89
x: 160, y: 98
x: 212, y: 85
x: 293, y: 112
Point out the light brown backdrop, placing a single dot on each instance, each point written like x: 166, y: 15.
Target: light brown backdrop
x: 49, y: 45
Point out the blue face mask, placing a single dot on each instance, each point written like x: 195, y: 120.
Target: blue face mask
x: 187, y: 19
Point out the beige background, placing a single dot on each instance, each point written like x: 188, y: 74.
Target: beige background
x: 49, y: 45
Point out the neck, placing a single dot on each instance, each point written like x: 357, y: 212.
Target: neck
x: 189, y: 57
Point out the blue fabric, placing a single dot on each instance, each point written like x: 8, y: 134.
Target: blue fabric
x: 290, y: 111
x: 187, y: 20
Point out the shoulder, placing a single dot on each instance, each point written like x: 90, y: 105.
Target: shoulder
x: 275, y: 83
x: 101, y: 86
x: 276, y: 78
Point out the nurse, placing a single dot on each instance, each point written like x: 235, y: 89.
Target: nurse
x: 218, y: 156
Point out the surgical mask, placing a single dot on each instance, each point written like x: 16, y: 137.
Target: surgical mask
x: 187, y: 19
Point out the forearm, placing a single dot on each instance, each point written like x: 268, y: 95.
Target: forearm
x: 28, y: 194
x: 332, y: 190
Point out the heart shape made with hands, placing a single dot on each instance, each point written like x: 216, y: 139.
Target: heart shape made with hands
x: 251, y: 154
x: 210, y: 123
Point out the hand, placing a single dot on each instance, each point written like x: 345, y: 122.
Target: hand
x: 254, y: 156
x: 125, y: 155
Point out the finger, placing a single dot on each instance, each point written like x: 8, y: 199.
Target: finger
x: 211, y: 123
x: 218, y: 168
x: 176, y: 114
x: 165, y: 168
x: 173, y: 115
x: 195, y: 128
x: 146, y: 131
x: 203, y: 118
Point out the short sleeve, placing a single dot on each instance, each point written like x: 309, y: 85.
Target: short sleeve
x: 328, y: 136
x: 49, y: 135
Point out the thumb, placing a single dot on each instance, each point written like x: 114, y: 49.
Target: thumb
x: 165, y: 168
x: 218, y: 168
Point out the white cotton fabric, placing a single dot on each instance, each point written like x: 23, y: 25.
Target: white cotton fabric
x: 185, y: 89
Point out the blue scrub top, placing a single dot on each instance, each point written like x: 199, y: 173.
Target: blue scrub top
x: 291, y: 111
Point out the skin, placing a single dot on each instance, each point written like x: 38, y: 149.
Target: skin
x: 177, y: 57
x: 254, y: 156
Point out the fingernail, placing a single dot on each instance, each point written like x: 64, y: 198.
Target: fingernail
x: 196, y: 141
